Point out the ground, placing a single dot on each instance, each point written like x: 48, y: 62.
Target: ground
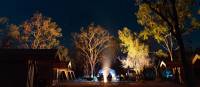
x: 120, y: 84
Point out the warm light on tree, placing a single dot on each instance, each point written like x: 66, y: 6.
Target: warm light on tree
x: 160, y: 53
x: 92, y: 41
x: 63, y: 54
x: 40, y: 33
x: 137, y: 52
x: 153, y: 27
x: 178, y: 17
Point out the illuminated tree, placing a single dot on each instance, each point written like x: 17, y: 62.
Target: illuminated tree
x: 155, y: 29
x: 91, y: 42
x: 177, y: 16
x: 40, y: 33
x: 63, y: 54
x: 137, y: 52
x: 11, y: 37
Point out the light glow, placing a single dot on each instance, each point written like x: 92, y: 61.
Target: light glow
x: 105, y: 74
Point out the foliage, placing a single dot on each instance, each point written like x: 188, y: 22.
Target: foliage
x: 163, y: 14
x: 11, y: 36
x: 3, y: 26
x: 3, y: 20
x: 63, y: 54
x: 137, y: 52
x: 40, y: 33
x: 160, y: 25
x: 178, y: 16
x: 152, y: 25
x: 160, y: 53
x: 13, y: 32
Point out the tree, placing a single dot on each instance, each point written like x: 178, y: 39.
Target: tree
x: 175, y: 15
x: 137, y: 52
x: 63, y: 54
x: 12, y: 37
x: 155, y: 29
x: 3, y: 27
x: 40, y: 33
x: 91, y: 42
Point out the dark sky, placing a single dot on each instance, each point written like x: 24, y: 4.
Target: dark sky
x: 72, y: 14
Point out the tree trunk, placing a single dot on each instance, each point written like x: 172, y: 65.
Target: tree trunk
x: 92, y: 71
x: 31, y: 73
x: 86, y: 70
x: 186, y: 63
x: 156, y: 72
x: 171, y: 56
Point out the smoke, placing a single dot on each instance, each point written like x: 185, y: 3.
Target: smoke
x: 108, y: 55
x: 106, y: 64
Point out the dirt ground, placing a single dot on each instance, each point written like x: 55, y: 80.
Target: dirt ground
x: 120, y: 84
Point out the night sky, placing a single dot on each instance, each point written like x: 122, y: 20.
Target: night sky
x: 70, y: 15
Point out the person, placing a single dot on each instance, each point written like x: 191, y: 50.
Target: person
x: 109, y: 77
